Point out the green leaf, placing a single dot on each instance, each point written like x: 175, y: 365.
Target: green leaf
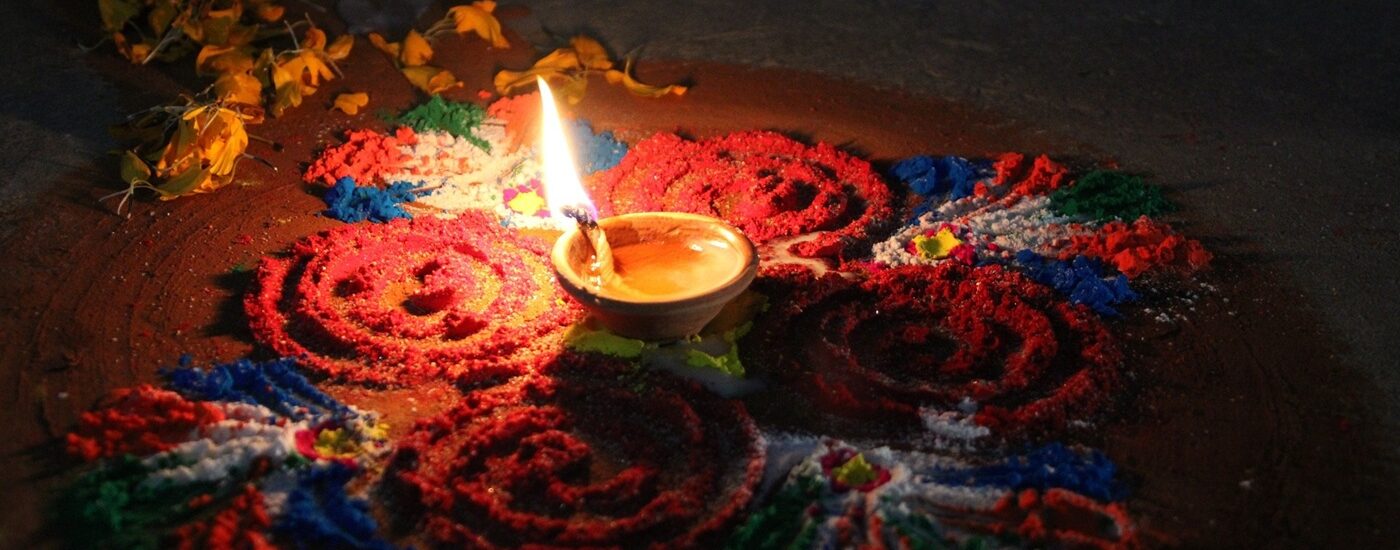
x: 115, y: 13
x: 183, y: 183
x: 133, y: 169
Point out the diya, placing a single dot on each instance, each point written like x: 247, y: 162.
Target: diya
x: 649, y: 275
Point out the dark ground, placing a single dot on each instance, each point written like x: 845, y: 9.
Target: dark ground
x: 1277, y: 127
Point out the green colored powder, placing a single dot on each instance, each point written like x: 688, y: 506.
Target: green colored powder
x: 1104, y: 196
x: 728, y: 363
x: 112, y: 508
x: 784, y: 523
x: 458, y: 119
x: 582, y: 338
x: 587, y: 339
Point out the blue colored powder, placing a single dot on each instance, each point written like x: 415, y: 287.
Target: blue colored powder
x: 596, y: 151
x: 319, y: 514
x: 1052, y: 466
x: 273, y: 384
x: 1082, y: 280
x: 350, y: 203
x: 940, y: 178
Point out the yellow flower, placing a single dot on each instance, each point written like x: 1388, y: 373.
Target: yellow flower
x: 223, y: 59
x: 391, y: 48
x: 416, y: 50
x: 938, y: 246
x: 238, y: 88
x: 637, y: 88
x: 572, y: 64
x: 478, y: 18
x: 433, y: 80
x: 299, y: 73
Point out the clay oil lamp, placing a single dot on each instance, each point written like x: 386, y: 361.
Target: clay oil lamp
x: 651, y: 275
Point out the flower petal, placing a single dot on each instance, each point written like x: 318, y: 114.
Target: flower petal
x: 478, y: 18
x: 351, y: 103
x: 590, y: 53
x: 416, y: 50
x: 391, y: 48
x: 431, y: 79
x: 637, y: 88
x: 238, y: 88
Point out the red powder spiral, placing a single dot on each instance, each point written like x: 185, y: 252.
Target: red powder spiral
x: 903, y: 338
x: 766, y: 184
x: 582, y: 456
x: 407, y: 300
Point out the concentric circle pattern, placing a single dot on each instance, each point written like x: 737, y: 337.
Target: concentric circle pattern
x: 400, y: 302
x: 581, y: 456
x: 766, y: 184
x: 945, y: 337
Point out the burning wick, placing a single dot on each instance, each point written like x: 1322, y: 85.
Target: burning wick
x: 602, y: 266
x: 564, y: 191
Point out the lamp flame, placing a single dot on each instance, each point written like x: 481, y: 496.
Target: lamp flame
x: 563, y: 190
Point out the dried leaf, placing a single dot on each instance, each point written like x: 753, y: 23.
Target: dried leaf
x: 564, y: 59
x: 555, y: 66
x: 221, y: 137
x: 573, y: 89
x: 416, y: 50
x: 351, y: 103
x: 268, y: 11
x: 508, y: 81
x: 115, y: 13
x: 287, y: 90
x: 220, y: 27
x: 431, y: 79
x: 186, y: 182
x: 314, y: 39
x: 133, y: 169
x: 478, y: 18
x: 590, y: 53
x: 238, y: 88
x: 136, y: 53
x: 223, y: 59
x: 645, y: 90
x: 161, y: 16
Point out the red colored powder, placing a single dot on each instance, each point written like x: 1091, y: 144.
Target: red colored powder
x: 406, y: 301
x: 1059, y: 518
x: 580, y: 456
x: 765, y: 184
x: 909, y: 337
x: 142, y: 420
x: 240, y: 526
x: 521, y: 114
x: 366, y: 156
x: 1143, y: 246
x: 1028, y: 178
